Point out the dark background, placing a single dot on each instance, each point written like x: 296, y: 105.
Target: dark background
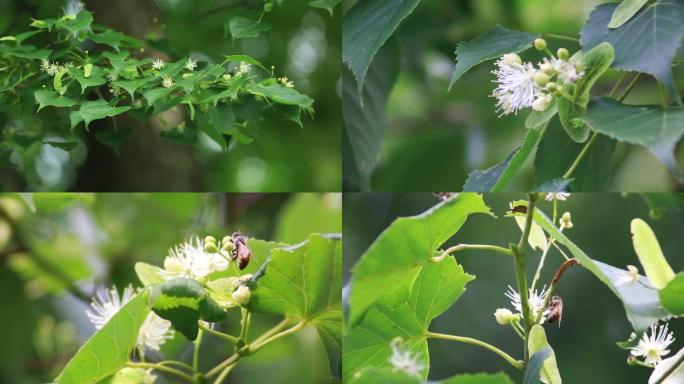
x: 303, y: 44
x: 593, y: 317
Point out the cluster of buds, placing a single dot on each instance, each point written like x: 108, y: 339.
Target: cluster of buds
x: 286, y: 82
x: 54, y: 68
x: 233, y: 247
x: 243, y: 69
x: 522, y: 85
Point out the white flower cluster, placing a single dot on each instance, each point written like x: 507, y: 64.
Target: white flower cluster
x: 243, y: 69
x: 53, y: 68
x: 195, y: 259
x: 286, y: 82
x: 154, y: 331
x: 405, y: 360
x: 522, y: 85
x: 536, y: 301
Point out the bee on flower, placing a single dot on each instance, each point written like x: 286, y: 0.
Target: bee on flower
x: 193, y: 260
x: 654, y: 346
x: 536, y: 301
x: 158, y: 64
x: 191, y: 64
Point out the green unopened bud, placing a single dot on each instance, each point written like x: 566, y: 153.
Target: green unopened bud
x: 551, y: 86
x: 210, y: 248
x: 512, y: 58
x: 505, y: 316
x: 539, y: 44
x: 129, y: 376
x: 228, y: 247
x: 563, y: 53
x: 579, y: 67
x: 547, y: 68
x: 566, y: 221
x: 242, y: 295
x: 209, y: 239
x: 268, y: 7
x: 541, y: 78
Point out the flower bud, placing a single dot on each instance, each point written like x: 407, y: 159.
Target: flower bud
x: 512, y: 58
x: 210, y: 248
x: 210, y: 239
x: 551, y: 86
x: 566, y: 221
x: 539, y: 44
x: 505, y: 316
x: 633, y: 272
x: 268, y: 7
x: 547, y: 68
x: 542, y: 103
x: 242, y: 295
x: 563, y: 53
x: 228, y: 247
x: 541, y: 78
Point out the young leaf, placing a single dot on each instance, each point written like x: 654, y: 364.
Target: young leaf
x: 244, y: 27
x: 549, y: 373
x: 534, y: 366
x: 497, y: 177
x: 184, y: 302
x: 624, y: 11
x: 411, y: 241
x: 669, y: 371
x: 108, y: 349
x: 638, y: 296
x: 79, y: 22
x: 132, y: 85
x: 650, y: 254
x: 537, y: 237
x: 490, y: 45
x: 597, y: 61
x: 366, y: 27
x: 672, y: 296
x: 96, y: 77
x: 45, y: 98
x: 148, y: 274
x: 270, y: 89
x: 95, y: 110
x: 364, y: 125
x: 653, y: 127
x: 646, y: 43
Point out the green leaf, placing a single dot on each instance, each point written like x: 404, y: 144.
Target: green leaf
x: 181, y: 134
x: 244, y: 27
x: 131, y: 85
x: 184, y: 302
x: 95, y: 79
x: 304, y: 282
x: 246, y: 59
x: 108, y: 37
x: 625, y: 11
x: 73, y: 24
x: 597, y: 61
x: 45, y: 98
x: 364, y: 125
x: 374, y: 375
x: 650, y: 254
x: 672, y: 296
x: 108, y: 349
x: 653, y: 127
x: 537, y: 341
x: 154, y: 94
x: 366, y: 27
x: 669, y: 371
x: 535, y: 364
x: 271, y: 89
x: 411, y: 242
x: 95, y: 110
x: 497, y: 177
x: 638, y: 296
x: 57, y: 201
x: 325, y: 4
x: 490, y: 45
x: 221, y: 290
x: 556, y: 154
x: 646, y: 43
x: 114, y: 138
x: 536, y: 118
x: 26, y: 52
x: 149, y: 274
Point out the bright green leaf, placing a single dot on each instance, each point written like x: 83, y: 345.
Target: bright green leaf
x: 244, y: 27
x: 95, y: 110
x: 536, y: 118
x: 271, y: 89
x: 650, y: 254
x: 672, y: 296
x: 490, y: 45
x: 537, y: 341
x: 625, y: 11
x: 132, y: 85
x: 45, y: 98
x: 57, y: 201
x: 154, y: 94
x: 149, y: 274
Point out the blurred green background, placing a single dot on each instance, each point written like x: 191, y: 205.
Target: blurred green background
x: 593, y: 317
x: 304, y: 45
x: 435, y: 138
x: 94, y: 240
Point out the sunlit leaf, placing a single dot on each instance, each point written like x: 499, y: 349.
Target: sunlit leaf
x: 549, y: 373
x: 624, y: 11
x: 672, y: 296
x: 650, y: 254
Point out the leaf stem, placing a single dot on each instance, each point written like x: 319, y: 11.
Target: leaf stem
x: 226, y: 371
x: 469, y: 340
x: 617, y: 85
x: 222, y: 335
x: 561, y: 37
x: 256, y: 346
x: 461, y: 247
x: 176, y: 363
x: 162, y: 368
x: 195, y: 353
x: 629, y: 88
x: 581, y: 155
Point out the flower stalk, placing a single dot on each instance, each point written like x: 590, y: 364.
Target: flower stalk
x: 469, y: 340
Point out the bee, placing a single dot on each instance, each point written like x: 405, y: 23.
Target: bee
x: 519, y: 209
x: 555, y: 309
x: 242, y: 253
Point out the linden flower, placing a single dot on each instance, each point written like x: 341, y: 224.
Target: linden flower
x: 243, y: 69
x: 560, y: 196
x: 167, y: 82
x: 535, y: 300
x: 654, y: 347
x: 154, y: 331
x: 158, y: 64
x: 405, y: 360
x: 191, y: 65
x: 517, y: 89
x: 191, y: 260
x: 286, y: 82
x: 566, y: 71
x: 44, y: 65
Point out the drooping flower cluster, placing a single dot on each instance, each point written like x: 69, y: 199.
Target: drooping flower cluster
x: 654, y: 346
x: 536, y: 301
x: 54, y: 68
x: 404, y: 360
x: 154, y: 331
x: 522, y: 85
